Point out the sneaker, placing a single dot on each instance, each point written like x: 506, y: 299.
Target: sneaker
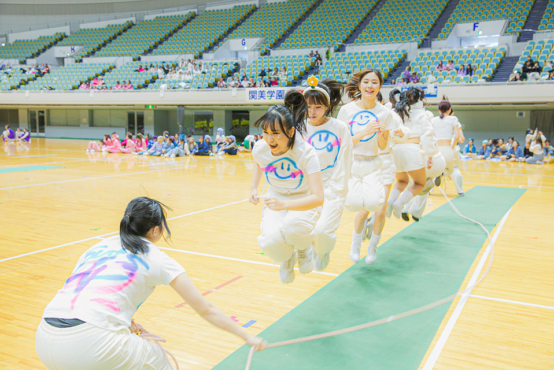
x: 92, y: 151
x: 321, y: 261
x: 461, y: 194
x: 405, y: 217
x: 371, y: 254
x: 306, y: 261
x: 438, y: 180
x: 415, y: 218
x: 355, y: 251
x: 87, y: 151
x: 286, y: 271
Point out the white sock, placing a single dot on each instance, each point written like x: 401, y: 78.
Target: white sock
x: 405, y: 198
x: 394, y: 193
x: 357, y: 238
x: 374, y: 239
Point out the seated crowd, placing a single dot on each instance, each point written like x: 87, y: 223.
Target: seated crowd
x: 172, y: 146
x: 531, y: 71
x: 537, y: 149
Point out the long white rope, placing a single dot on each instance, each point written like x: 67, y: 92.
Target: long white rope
x: 394, y: 317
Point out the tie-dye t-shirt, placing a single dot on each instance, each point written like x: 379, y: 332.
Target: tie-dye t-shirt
x: 333, y: 145
x: 287, y: 174
x: 357, y: 119
x: 109, y: 284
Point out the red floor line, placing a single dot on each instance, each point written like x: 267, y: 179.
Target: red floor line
x: 212, y: 290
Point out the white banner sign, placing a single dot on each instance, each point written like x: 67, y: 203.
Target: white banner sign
x: 266, y: 95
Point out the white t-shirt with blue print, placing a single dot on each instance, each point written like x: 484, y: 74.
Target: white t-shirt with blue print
x: 109, y: 284
x: 287, y: 174
x: 357, y: 119
x: 333, y: 144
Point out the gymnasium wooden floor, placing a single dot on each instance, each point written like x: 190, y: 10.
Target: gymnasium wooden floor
x: 50, y: 217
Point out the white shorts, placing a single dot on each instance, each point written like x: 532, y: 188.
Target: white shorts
x: 388, y: 169
x: 365, y: 188
x: 448, y: 154
x: 88, y: 347
x: 407, y: 157
x: 438, y: 167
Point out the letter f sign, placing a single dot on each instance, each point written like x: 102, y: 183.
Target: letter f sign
x: 475, y: 25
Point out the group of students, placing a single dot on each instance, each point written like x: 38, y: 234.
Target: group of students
x: 537, y: 149
x: 165, y: 145
x: 316, y: 166
x: 20, y: 135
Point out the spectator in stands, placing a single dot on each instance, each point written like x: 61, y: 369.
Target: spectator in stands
x: 274, y: 82
x: 46, y: 69
x: 450, y: 66
x: 235, y: 82
x: 461, y: 71
x: 252, y: 83
x: 262, y: 73
x: 141, y: 69
x: 515, y: 153
x: 414, y: 78
x: 311, y: 55
x: 408, y: 73
x: 245, y: 83
x: 393, y: 81
x: 535, y: 72
x: 284, y: 72
x: 551, y: 75
x: 129, y: 85
x: 527, y: 68
x: 318, y: 60
x: 221, y: 84
x: 469, y: 70
x: 537, y: 148
x: 402, y: 81
x: 470, y: 148
x: 515, y: 77
x: 161, y: 73
x: 262, y: 83
x: 83, y: 86
x: 529, y: 60
x: 485, y: 150
x: 328, y: 53
x: 440, y: 66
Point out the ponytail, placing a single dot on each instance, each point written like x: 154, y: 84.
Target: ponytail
x: 141, y: 215
x: 444, y: 106
x: 285, y: 117
x: 402, y: 102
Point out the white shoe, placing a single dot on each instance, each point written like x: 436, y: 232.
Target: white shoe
x: 286, y: 271
x: 92, y: 151
x: 306, y: 261
x: 172, y: 156
x: 371, y: 254
x: 355, y: 251
x: 87, y: 151
x: 321, y: 261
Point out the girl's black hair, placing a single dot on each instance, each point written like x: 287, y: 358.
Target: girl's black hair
x: 405, y: 101
x: 528, y: 131
x: 141, y: 215
x: 444, y: 106
x: 352, y: 88
x: 335, y: 90
x: 129, y: 135
x: 380, y: 97
x: 283, y: 118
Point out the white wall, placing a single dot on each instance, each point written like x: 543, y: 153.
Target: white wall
x: 101, y: 24
x: 35, y: 34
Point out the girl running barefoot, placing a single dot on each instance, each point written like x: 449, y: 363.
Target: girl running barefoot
x: 87, y: 324
x: 370, y: 125
x: 293, y: 203
x: 333, y: 144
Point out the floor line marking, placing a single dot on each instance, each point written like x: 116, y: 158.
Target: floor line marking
x: 115, y: 232
x: 90, y: 178
x: 503, y: 185
x: 42, y: 164
x: 435, y: 353
x: 240, y: 260
x: 509, y: 174
x: 212, y: 290
x: 513, y: 302
x: 35, y: 156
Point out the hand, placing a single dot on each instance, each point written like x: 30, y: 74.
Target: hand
x: 398, y: 133
x: 430, y: 163
x: 258, y: 343
x: 371, y: 128
x: 254, y: 197
x: 274, y: 204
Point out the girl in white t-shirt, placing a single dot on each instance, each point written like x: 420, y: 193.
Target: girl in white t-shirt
x: 370, y: 125
x: 88, y: 323
x: 446, y: 126
x: 293, y: 203
x: 333, y: 144
x: 412, y: 156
